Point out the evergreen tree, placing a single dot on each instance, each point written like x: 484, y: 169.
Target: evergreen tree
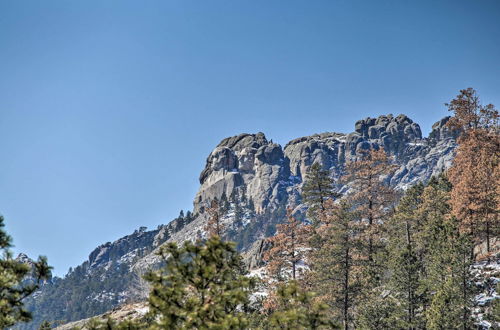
x: 335, y: 270
x: 13, y: 290
x: 224, y: 204
x: 214, y: 226
x: 446, y: 259
x: 179, y: 224
x: 45, y: 326
x: 371, y: 197
x: 251, y: 205
x: 189, y: 217
x: 475, y: 173
x: 494, y: 314
x: 317, y: 189
x: 297, y: 310
x: 238, y: 215
x: 201, y: 287
x: 288, y: 247
x: 405, y: 259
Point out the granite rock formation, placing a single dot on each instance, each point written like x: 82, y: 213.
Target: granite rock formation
x: 272, y: 174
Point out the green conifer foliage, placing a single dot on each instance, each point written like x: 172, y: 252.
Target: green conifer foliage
x: 335, y: 269
x: 317, y: 189
x: 45, y: 325
x: 201, y: 287
x: 428, y: 261
x: 297, y: 310
x: 405, y: 259
x: 447, y: 260
x: 12, y: 289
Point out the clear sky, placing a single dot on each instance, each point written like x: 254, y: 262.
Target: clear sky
x: 108, y: 109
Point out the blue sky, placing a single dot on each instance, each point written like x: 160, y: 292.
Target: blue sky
x: 108, y: 109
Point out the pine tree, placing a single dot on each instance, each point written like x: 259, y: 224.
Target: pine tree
x: 372, y: 198
x: 214, y: 226
x: 475, y: 173
x: 288, y: 247
x: 12, y: 289
x: 251, y: 205
x: 45, y: 326
x: 494, y: 314
x: 201, y: 287
x: 335, y: 270
x: 317, y: 189
x: 405, y: 259
x: 297, y: 310
x: 446, y: 261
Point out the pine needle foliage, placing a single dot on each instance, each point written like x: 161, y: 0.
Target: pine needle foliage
x: 335, y: 267
x: 288, y: 246
x: 202, y: 286
x: 45, y: 326
x: 214, y: 226
x: 406, y: 250
x: 318, y: 188
x: 371, y: 197
x: 297, y: 310
x: 13, y: 287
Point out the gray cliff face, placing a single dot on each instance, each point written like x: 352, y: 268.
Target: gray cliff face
x: 271, y: 174
x: 245, y: 160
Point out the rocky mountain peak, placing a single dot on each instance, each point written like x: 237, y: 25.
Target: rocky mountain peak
x: 389, y: 123
x: 225, y: 155
x: 442, y: 132
x: 245, y: 160
x: 241, y: 141
x: 271, y: 174
x: 388, y: 131
x: 122, y: 248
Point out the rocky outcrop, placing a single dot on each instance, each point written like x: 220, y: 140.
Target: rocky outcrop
x: 271, y: 174
x: 245, y: 160
x: 122, y: 248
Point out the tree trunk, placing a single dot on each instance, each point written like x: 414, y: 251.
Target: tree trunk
x: 488, y: 239
x: 346, y: 289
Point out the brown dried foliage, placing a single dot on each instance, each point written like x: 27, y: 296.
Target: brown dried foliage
x: 371, y: 197
x: 289, y: 246
x: 475, y: 174
x: 214, y: 226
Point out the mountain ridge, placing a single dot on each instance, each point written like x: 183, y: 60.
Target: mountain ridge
x: 255, y: 180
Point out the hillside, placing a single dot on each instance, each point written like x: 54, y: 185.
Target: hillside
x: 255, y: 179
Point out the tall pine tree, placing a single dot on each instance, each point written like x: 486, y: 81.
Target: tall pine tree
x: 373, y: 199
x: 405, y: 252
x: 318, y: 188
x: 475, y: 173
x: 288, y: 247
x: 335, y: 268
